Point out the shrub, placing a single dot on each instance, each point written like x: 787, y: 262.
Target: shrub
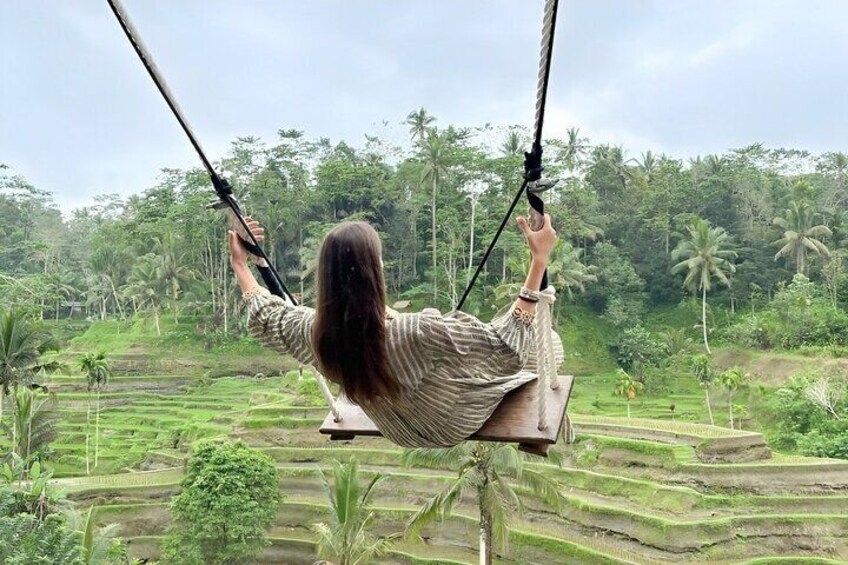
x: 229, y: 498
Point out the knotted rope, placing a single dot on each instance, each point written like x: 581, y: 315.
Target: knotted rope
x: 545, y: 355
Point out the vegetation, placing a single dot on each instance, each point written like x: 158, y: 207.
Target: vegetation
x: 97, y: 373
x: 489, y: 471
x: 229, y: 498
x: 347, y: 540
x: 749, y: 245
x: 626, y: 387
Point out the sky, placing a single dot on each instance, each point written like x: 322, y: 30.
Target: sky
x: 80, y: 117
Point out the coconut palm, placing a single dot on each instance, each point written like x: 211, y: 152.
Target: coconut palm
x: 419, y: 121
x: 489, y: 471
x: 566, y: 270
x: 575, y: 149
x: 174, y: 265
x: 702, y: 370
x: 648, y: 165
x: 21, y: 348
x: 800, y: 236
x: 33, y: 423
x: 97, y: 374
x: 512, y: 144
x: 435, y: 154
x: 61, y: 286
x: 148, y: 286
x: 627, y: 387
x: 731, y: 380
x: 346, y: 540
x: 705, y: 255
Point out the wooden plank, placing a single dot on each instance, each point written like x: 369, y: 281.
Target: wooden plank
x: 514, y: 420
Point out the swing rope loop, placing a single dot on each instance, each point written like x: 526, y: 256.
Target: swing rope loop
x: 545, y: 354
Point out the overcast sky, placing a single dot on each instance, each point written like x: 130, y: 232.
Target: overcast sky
x: 79, y: 116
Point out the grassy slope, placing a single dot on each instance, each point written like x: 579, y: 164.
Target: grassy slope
x: 259, y: 406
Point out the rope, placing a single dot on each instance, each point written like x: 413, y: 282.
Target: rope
x: 222, y: 188
x: 545, y: 355
x: 545, y: 57
x: 532, y: 159
x: 328, y: 395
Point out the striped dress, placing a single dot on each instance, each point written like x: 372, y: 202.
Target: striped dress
x: 453, y: 369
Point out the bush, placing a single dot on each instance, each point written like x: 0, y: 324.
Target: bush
x: 805, y: 426
x: 799, y: 316
x: 27, y: 541
x: 229, y: 499
x: 635, y: 349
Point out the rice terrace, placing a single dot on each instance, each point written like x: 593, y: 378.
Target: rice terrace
x: 537, y: 343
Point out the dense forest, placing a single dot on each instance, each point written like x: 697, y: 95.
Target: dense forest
x: 761, y: 215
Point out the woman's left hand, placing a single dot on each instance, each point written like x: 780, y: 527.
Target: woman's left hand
x: 238, y: 252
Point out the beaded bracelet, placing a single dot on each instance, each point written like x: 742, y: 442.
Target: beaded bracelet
x: 255, y: 292
x: 523, y: 316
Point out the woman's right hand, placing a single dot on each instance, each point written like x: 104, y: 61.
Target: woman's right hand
x: 541, y: 242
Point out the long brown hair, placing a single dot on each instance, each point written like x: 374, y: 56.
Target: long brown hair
x: 349, y: 333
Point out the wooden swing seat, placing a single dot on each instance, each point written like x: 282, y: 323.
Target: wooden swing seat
x: 515, y: 420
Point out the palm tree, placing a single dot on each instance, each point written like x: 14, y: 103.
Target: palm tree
x: 21, y: 348
x: 574, y: 149
x: 175, y: 270
x: 800, y: 236
x: 99, y: 546
x: 566, y: 270
x: 489, y: 471
x: 147, y: 286
x: 627, y: 387
x: 648, y: 165
x: 512, y: 144
x: 97, y: 373
x: 346, y: 539
x: 731, y: 380
x: 703, y: 371
x: 33, y: 423
x: 435, y: 153
x: 61, y: 287
x: 419, y: 122
x: 704, y: 256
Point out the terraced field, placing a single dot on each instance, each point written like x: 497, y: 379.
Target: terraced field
x: 637, y: 490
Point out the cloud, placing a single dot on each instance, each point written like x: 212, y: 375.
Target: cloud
x: 78, y: 116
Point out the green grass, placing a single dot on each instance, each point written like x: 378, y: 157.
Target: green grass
x: 586, y: 339
x: 642, y: 490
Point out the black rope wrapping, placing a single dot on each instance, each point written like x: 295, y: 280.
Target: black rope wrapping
x: 532, y: 159
x: 222, y: 188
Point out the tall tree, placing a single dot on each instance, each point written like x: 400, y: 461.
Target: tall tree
x: 419, y: 122
x: 148, y: 286
x: 346, y: 539
x: 95, y: 366
x: 490, y: 471
x: 705, y: 255
x: 435, y: 154
x: 702, y: 370
x: 800, y: 235
x: 731, y: 380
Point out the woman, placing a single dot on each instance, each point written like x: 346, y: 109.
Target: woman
x: 426, y: 379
